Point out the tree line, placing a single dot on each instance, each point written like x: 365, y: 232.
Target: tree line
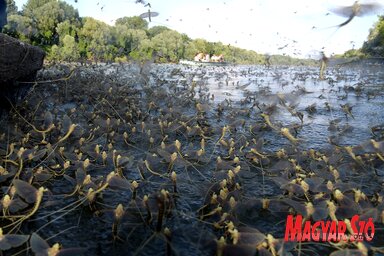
x: 373, y: 47
x: 57, y: 27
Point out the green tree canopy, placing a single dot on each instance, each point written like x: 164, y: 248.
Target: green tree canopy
x: 55, y: 25
x: 95, y: 38
x: 374, y: 46
x: 67, y: 28
x: 69, y: 51
x: 169, y: 45
x: 11, y: 7
x: 153, y: 31
x: 129, y: 39
x: 46, y: 15
x: 32, y: 5
x: 134, y: 22
x: 21, y: 27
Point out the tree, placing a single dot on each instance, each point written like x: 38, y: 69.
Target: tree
x: 11, y: 7
x: 96, y: 37
x: 134, y: 22
x: 129, y: 39
x: 374, y: 46
x: 21, y: 27
x: 33, y: 5
x: 153, y: 31
x: 54, y: 54
x: 168, y: 45
x: 69, y: 51
x: 201, y: 45
x: 46, y: 15
x: 67, y: 28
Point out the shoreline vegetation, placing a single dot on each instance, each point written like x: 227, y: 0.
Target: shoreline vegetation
x: 57, y: 27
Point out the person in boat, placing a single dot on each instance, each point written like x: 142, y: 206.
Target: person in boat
x: 199, y: 56
x: 217, y: 58
x: 323, y: 65
x: 267, y: 60
x: 207, y: 58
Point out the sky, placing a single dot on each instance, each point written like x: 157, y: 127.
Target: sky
x: 300, y: 28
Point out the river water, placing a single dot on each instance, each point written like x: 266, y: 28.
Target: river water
x: 233, y: 115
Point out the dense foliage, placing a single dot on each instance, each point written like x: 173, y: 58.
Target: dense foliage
x: 57, y: 27
x: 374, y: 46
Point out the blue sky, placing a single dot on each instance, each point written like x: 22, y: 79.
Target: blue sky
x: 266, y: 26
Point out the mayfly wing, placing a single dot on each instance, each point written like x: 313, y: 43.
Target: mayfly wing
x: 251, y: 236
x: 371, y: 8
x: 70, y: 179
x: 39, y: 245
x: 344, y: 11
x: 347, y: 252
x: 80, y: 176
x: 369, y: 213
x: 321, y: 211
x: 17, y: 204
x: 25, y: 190
x: 17, y: 240
x: 71, y: 252
x: 67, y: 122
x: 149, y: 15
x: 123, y: 161
x: 245, y: 250
x: 11, y: 241
x: 119, y: 183
x: 48, y: 120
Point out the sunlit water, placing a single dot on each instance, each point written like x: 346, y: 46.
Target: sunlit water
x: 301, y: 87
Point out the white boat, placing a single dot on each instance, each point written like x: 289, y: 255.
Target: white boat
x: 203, y: 63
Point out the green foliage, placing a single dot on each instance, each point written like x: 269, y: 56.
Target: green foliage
x: 33, y: 5
x: 54, y: 54
x: 153, y: 31
x: 129, y: 39
x: 20, y: 27
x: 354, y: 53
x: 134, y: 22
x: 169, y: 45
x: 11, y: 7
x: 67, y: 28
x: 95, y: 37
x: 69, y: 51
x: 56, y: 26
x: 374, y: 46
x: 45, y: 16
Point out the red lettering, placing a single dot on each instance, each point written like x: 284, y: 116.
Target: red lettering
x: 341, y: 228
x: 293, y: 230
x: 324, y: 229
x: 332, y: 232
x: 316, y: 231
x: 354, y: 219
x: 307, y: 231
x: 370, y: 226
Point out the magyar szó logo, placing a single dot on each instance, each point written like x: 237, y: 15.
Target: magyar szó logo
x: 330, y: 230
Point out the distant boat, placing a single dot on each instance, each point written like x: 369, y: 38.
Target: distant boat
x: 203, y: 63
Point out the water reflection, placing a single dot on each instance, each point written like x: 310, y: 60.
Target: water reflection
x: 358, y: 86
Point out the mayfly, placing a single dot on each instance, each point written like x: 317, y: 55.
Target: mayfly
x: 41, y: 248
x: 356, y: 9
x: 148, y: 15
x: 9, y: 241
